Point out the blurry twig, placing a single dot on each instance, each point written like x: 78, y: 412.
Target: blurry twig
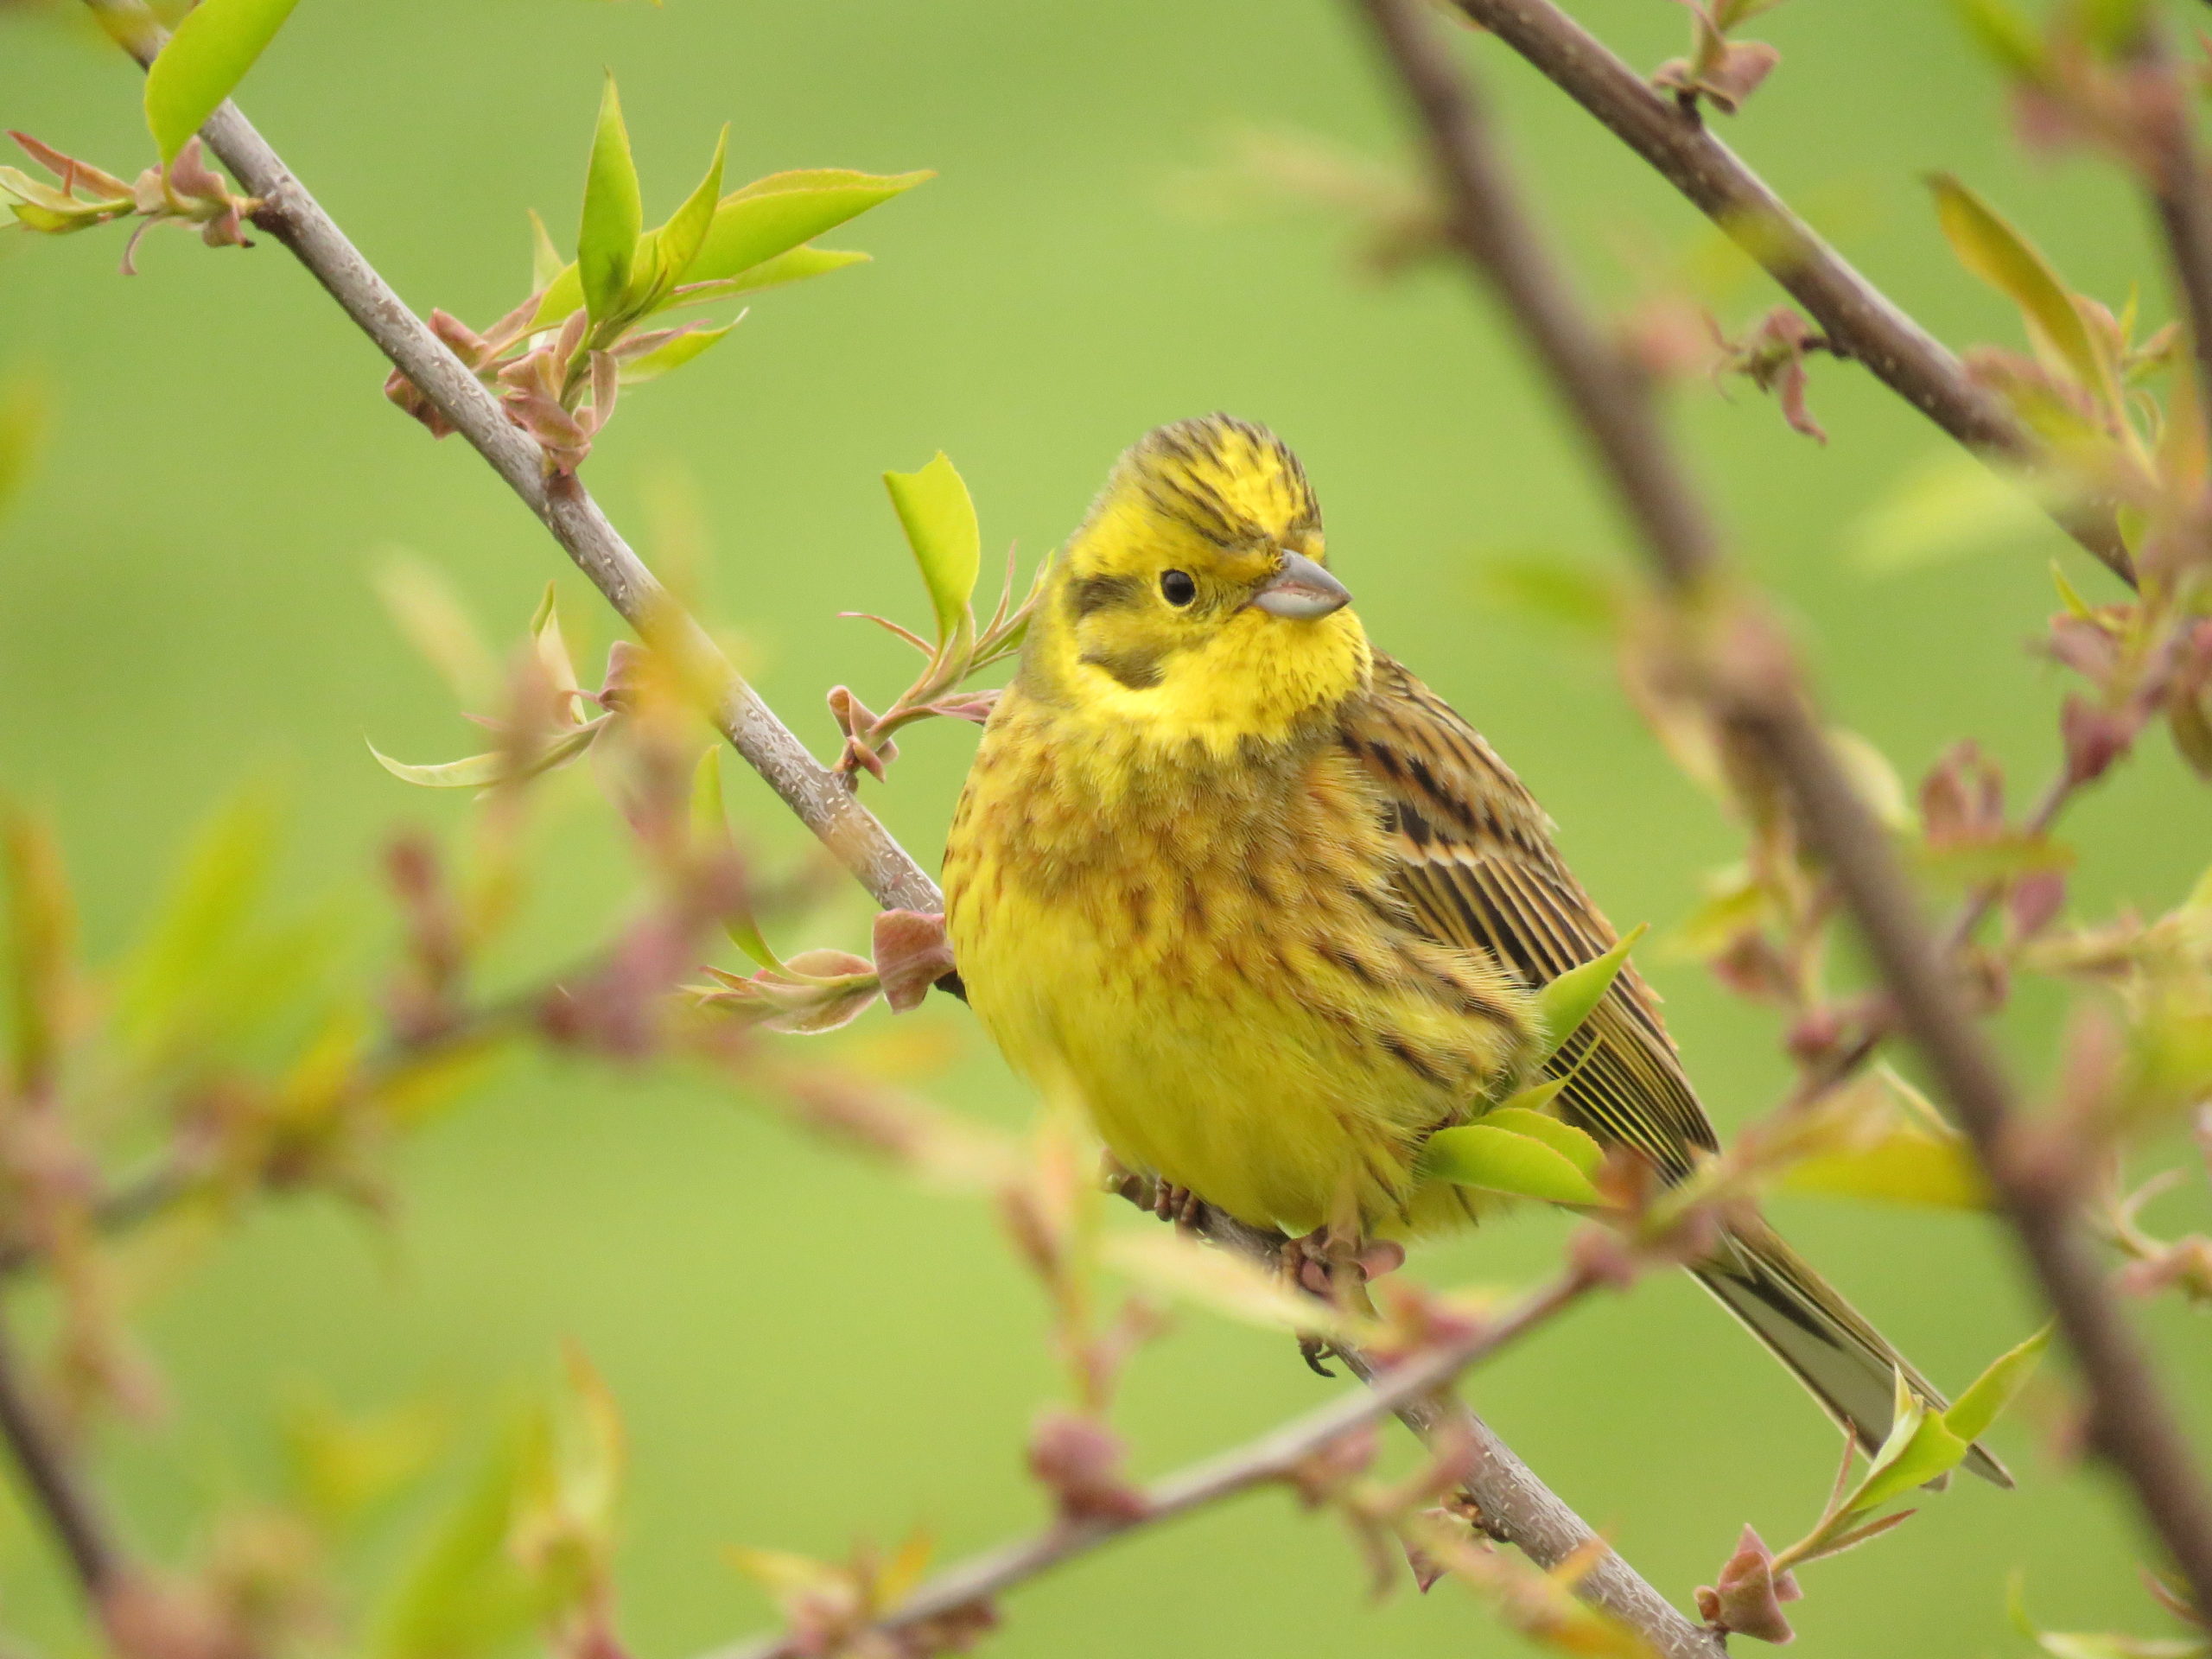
x: 1514, y: 1504
x: 1857, y: 319
x: 1280, y: 1456
x: 2176, y: 182
x: 1746, y: 674
x: 56, y: 1484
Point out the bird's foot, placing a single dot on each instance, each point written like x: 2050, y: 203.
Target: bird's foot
x: 1176, y: 1204
x: 1324, y: 1262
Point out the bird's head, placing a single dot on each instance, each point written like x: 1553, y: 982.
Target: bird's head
x: 1196, y: 598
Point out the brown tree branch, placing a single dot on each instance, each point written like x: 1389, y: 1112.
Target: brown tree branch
x: 1514, y: 1502
x: 1755, y: 691
x: 822, y: 801
x: 55, y: 1484
x: 1273, y: 1457
x: 1511, y: 1497
x: 2174, y: 176
x: 1859, y: 319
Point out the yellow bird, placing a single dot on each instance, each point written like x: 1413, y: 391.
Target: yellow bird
x: 1276, y: 911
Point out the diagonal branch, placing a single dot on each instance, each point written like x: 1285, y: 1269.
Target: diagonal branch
x: 2174, y: 177
x: 1516, y: 1504
x: 1858, y: 318
x: 1754, y: 691
x: 1510, y: 1495
x: 1275, y: 1456
x: 822, y: 801
x: 56, y: 1484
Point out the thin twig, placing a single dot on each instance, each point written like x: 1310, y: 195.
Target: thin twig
x: 2175, y: 177
x: 1275, y: 1456
x: 1755, y: 691
x: 56, y: 1485
x: 1514, y: 1503
x: 821, y: 800
x: 1857, y: 319
x: 1511, y: 1497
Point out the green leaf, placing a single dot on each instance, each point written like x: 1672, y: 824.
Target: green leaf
x: 2070, y: 595
x: 796, y: 266
x: 1571, y: 1143
x: 2007, y: 39
x: 679, y: 240
x: 672, y: 354
x: 202, y: 917
x: 1567, y: 1001
x: 775, y: 214
x: 215, y: 43
x: 463, y: 1594
x: 939, y: 519
x: 1553, y: 589
x: 1499, y: 1160
x: 1905, y: 1167
x: 744, y: 933
x: 551, y: 652
x: 1948, y: 508
x: 427, y: 610
x: 756, y: 227
x: 483, y: 771
x: 606, y: 241
x: 22, y: 426
x: 1920, y: 1448
x: 41, y: 943
x: 2098, y: 1644
x: 1536, y: 1097
x: 2000, y: 256
x: 545, y: 263
x: 1988, y: 1395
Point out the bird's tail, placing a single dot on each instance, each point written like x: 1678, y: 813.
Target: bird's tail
x: 1842, y: 1360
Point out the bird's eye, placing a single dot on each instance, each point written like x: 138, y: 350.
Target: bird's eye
x: 1177, y: 588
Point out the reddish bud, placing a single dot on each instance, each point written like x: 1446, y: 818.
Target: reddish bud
x: 2083, y: 645
x: 912, y: 954
x: 1962, y: 798
x: 1080, y: 1458
x: 2033, y: 902
x: 1748, y: 1600
x: 2095, y: 738
x: 1816, y: 1034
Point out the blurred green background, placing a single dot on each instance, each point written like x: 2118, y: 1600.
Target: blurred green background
x: 805, y: 1348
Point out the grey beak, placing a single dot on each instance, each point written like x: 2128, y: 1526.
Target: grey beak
x: 1301, y: 590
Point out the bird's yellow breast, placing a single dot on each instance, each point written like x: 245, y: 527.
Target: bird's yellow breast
x: 1202, y: 938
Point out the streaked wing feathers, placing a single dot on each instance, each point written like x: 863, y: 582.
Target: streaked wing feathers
x: 1478, y: 870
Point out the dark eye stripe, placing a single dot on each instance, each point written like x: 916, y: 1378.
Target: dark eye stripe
x: 1095, y: 594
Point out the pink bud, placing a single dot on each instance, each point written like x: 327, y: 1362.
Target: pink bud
x: 2095, y: 738
x: 1080, y: 1459
x: 1748, y: 1600
x: 2034, y: 902
x: 912, y: 954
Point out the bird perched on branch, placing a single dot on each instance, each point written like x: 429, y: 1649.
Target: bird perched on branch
x: 1277, y: 913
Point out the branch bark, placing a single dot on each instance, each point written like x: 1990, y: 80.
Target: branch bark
x: 1756, y: 692
x: 820, y: 799
x: 55, y: 1484
x: 1858, y: 318
x: 2174, y: 176
x: 1510, y: 1494
x: 1275, y: 1456
x: 1515, y: 1503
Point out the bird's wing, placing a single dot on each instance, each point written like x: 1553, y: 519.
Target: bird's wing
x: 1476, y: 866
